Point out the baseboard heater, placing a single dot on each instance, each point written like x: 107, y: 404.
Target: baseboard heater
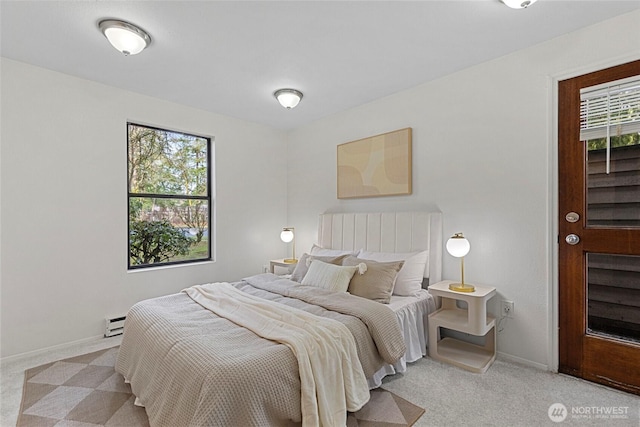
x: 114, y: 326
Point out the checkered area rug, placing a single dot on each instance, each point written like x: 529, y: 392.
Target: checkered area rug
x: 77, y: 392
x: 86, y: 391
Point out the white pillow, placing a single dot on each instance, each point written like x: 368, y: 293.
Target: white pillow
x: 320, y: 251
x: 328, y: 276
x: 305, y: 261
x: 410, y: 276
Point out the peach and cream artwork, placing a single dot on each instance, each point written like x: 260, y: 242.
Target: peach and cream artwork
x: 376, y: 166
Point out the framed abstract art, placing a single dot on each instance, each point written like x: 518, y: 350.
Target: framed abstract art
x: 375, y: 166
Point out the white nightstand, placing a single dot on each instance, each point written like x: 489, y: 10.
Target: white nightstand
x: 280, y: 263
x: 472, y: 320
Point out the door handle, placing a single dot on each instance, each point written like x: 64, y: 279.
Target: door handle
x: 572, y: 239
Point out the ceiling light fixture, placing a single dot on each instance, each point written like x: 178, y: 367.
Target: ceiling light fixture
x: 125, y: 37
x: 288, y: 98
x: 518, y: 4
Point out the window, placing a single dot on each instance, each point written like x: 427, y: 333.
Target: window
x: 610, y: 125
x: 169, y: 194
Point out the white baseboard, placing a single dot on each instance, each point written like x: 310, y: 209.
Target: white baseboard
x: 59, y: 347
x: 520, y: 360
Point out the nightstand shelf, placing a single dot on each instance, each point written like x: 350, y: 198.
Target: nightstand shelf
x: 465, y: 355
x: 472, y: 320
x: 281, y: 263
x: 458, y: 319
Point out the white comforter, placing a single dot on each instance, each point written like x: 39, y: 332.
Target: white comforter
x: 332, y: 380
x: 191, y: 367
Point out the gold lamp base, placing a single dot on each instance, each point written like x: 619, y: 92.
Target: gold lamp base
x: 461, y: 287
x: 290, y: 261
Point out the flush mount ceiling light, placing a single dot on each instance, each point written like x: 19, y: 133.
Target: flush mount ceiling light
x: 518, y: 4
x: 125, y: 37
x: 288, y: 98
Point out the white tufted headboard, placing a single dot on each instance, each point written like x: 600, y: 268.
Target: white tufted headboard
x: 386, y: 232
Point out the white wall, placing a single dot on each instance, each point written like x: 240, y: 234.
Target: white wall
x: 64, y: 204
x: 483, y: 150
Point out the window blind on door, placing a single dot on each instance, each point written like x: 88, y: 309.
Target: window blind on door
x: 610, y: 110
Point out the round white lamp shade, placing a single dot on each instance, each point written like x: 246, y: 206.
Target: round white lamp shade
x: 458, y: 246
x: 286, y: 235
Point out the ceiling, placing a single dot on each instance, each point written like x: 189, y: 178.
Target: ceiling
x: 228, y: 57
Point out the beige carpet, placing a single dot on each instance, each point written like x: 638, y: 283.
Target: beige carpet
x: 85, y: 390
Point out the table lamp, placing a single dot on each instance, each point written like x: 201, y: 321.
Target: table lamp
x: 287, y: 236
x: 458, y: 247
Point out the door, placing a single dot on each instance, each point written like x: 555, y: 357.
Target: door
x: 599, y: 225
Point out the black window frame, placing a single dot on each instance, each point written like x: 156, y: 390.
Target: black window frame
x: 207, y: 197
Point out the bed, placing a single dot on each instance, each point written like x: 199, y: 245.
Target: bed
x: 189, y: 365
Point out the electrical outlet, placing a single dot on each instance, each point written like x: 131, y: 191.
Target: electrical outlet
x: 507, y: 308
x: 265, y: 268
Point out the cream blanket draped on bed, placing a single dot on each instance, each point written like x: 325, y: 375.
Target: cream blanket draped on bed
x: 331, y: 377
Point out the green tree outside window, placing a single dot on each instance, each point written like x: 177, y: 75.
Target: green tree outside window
x: 169, y: 197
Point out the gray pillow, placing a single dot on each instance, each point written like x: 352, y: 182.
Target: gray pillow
x: 377, y: 282
x: 301, y: 267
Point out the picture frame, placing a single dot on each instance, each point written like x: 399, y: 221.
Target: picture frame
x: 376, y: 166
